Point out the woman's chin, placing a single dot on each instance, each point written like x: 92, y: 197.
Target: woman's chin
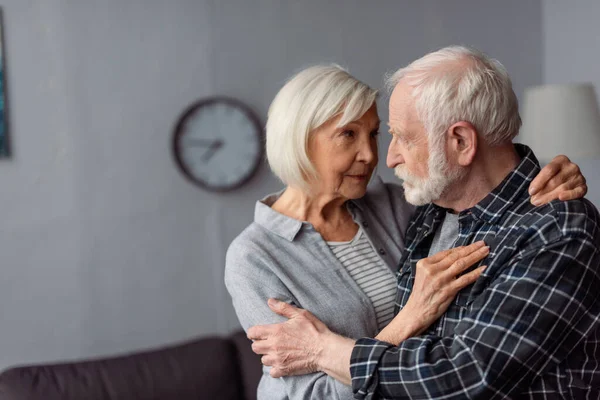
x: 355, y: 192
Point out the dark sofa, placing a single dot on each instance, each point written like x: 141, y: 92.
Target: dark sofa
x: 221, y: 368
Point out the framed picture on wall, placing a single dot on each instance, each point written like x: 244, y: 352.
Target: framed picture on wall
x: 3, y: 125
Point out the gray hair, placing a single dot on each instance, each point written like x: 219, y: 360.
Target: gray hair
x: 459, y: 83
x: 308, y: 100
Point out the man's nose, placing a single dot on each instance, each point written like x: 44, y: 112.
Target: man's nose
x: 394, y: 156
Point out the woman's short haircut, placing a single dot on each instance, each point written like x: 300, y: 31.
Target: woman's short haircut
x: 459, y: 83
x: 308, y: 100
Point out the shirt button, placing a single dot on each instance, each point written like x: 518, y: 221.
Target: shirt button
x: 381, y: 251
x: 365, y: 224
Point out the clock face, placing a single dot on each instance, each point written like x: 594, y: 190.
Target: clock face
x: 218, y: 143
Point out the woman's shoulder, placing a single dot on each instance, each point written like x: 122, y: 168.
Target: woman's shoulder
x: 251, y: 241
x: 246, y: 254
x: 261, y: 232
x: 257, y: 248
x: 259, y: 258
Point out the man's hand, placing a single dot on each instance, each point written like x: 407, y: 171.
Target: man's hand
x: 438, y: 279
x: 292, y: 347
x: 561, y: 179
x: 302, y: 345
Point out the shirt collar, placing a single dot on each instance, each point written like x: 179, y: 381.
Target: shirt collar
x: 494, y: 205
x: 512, y: 188
x: 273, y: 221
x: 287, y: 227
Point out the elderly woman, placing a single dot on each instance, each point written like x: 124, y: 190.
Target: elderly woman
x: 328, y: 243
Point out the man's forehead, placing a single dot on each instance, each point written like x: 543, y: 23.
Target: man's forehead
x: 402, y: 93
x: 401, y: 105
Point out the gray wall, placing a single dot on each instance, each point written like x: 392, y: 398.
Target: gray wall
x: 571, y: 43
x: 104, y: 246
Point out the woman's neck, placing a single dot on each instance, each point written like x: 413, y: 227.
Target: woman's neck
x: 326, y: 212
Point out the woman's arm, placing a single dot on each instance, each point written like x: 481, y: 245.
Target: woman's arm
x: 251, y: 282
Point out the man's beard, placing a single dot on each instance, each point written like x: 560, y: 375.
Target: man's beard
x: 420, y: 191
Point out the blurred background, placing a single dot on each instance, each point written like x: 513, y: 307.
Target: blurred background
x: 104, y: 246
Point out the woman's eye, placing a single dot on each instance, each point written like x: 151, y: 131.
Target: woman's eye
x: 348, y: 134
x: 374, y: 134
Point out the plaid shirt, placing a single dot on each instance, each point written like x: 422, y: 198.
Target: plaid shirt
x: 529, y: 328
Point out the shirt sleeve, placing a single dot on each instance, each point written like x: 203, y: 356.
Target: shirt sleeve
x: 250, y: 285
x: 532, y: 314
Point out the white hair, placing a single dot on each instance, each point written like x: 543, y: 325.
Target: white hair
x: 308, y: 100
x: 459, y: 83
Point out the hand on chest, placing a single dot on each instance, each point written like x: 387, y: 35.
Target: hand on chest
x: 428, y: 245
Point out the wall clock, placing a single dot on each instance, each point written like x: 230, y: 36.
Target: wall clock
x: 217, y: 143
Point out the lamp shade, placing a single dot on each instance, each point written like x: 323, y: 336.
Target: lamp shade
x: 561, y: 119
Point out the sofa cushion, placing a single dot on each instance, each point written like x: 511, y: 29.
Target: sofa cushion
x: 202, y: 369
x: 250, y: 365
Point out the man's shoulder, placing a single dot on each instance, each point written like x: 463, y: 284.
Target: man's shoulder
x: 577, y: 217
x: 554, y: 221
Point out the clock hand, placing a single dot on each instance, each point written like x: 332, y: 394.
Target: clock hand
x: 200, y: 142
x: 212, y: 149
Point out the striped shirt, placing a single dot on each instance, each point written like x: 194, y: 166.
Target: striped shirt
x: 371, y: 275
x: 528, y: 328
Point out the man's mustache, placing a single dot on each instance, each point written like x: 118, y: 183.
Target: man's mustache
x: 401, y: 172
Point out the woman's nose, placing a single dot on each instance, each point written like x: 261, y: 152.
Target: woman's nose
x: 367, y: 153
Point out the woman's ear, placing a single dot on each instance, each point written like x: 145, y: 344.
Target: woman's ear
x: 462, y: 143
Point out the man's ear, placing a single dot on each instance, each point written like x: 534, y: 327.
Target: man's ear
x: 462, y: 143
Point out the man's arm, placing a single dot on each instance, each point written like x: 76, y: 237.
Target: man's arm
x: 332, y: 351
x: 527, y: 320
x: 303, y: 344
x: 530, y: 316
x: 334, y: 360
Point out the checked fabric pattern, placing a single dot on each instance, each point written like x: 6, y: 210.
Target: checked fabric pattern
x: 529, y: 328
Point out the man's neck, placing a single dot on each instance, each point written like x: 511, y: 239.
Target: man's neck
x: 488, y: 170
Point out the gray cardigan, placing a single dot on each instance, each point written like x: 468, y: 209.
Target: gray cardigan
x: 280, y: 257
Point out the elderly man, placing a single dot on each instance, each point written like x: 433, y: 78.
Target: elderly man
x: 530, y: 326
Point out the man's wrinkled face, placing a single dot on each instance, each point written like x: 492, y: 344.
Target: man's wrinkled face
x: 421, y: 166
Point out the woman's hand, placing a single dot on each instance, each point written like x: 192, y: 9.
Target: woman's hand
x: 437, y: 281
x: 561, y: 179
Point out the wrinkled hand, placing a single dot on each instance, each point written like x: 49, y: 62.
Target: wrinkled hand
x: 561, y: 179
x: 438, y: 279
x: 292, y: 347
